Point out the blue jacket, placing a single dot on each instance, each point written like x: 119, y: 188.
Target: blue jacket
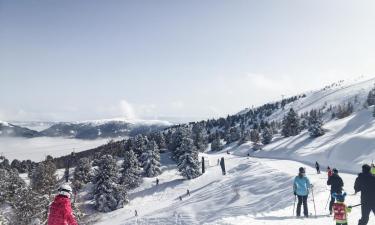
x: 301, y: 186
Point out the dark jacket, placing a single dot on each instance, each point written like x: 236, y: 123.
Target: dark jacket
x: 336, y: 183
x: 365, y: 183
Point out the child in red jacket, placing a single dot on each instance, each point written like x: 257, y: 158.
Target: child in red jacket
x: 340, y: 209
x: 60, y: 211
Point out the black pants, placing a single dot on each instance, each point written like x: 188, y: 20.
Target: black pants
x: 341, y: 223
x: 302, y: 200
x: 366, y: 210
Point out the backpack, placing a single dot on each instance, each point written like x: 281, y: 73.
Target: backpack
x: 339, y: 211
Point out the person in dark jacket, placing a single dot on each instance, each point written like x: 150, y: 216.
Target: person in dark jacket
x: 365, y: 183
x: 336, y: 184
x: 317, y: 167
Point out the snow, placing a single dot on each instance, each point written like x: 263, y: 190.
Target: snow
x: 38, y: 148
x: 131, y: 121
x: 254, y: 191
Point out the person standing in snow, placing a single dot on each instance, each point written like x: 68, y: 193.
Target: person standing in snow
x: 157, y: 181
x: 60, y: 211
x: 373, y: 169
x: 188, y: 192
x: 317, y: 166
x: 365, y: 183
x: 340, y: 209
x: 135, y: 213
x: 336, y: 184
x: 301, y: 189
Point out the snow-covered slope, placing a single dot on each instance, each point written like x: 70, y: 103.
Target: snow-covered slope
x: 254, y: 191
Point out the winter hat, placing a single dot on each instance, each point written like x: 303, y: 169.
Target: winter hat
x: 302, y: 170
x: 335, y: 171
x: 65, y: 190
x: 339, y: 197
x: 366, y: 168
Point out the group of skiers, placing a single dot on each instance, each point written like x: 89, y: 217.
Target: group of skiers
x: 365, y: 183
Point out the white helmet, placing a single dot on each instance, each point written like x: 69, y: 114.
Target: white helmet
x: 65, y: 190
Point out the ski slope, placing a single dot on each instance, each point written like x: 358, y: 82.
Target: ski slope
x: 254, y: 191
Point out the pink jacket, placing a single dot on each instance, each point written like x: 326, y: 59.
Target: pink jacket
x: 60, y: 212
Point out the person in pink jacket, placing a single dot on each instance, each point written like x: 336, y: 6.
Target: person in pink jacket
x: 60, y: 211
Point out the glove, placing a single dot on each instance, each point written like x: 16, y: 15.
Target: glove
x: 350, y: 207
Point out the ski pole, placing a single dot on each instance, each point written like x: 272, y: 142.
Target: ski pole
x: 329, y: 197
x: 312, y: 192
x: 353, y: 206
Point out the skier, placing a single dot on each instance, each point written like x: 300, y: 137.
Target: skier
x: 135, y: 213
x: 157, y: 181
x: 340, y: 209
x: 180, y: 198
x: 60, y: 211
x: 336, y: 184
x: 188, y: 192
x: 317, y: 166
x: 329, y: 172
x: 365, y: 183
x: 373, y: 169
x: 301, y: 189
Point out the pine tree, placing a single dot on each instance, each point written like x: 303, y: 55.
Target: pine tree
x: 107, y: 192
x: 373, y: 112
x: 151, y: 160
x: 139, y: 145
x: 30, y: 207
x: 246, y: 136
x: 82, y: 173
x: 177, y: 136
x: 254, y: 136
x: 10, y: 184
x: 131, y: 173
x: 234, y: 134
x: 200, y: 137
x: 267, y: 136
x: 188, y: 163
x: 216, y: 144
x: 43, y: 178
x: 371, y: 97
x: 290, y: 124
x: 315, y: 123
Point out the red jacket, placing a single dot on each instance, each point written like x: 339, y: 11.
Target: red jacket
x: 60, y: 212
x: 330, y: 173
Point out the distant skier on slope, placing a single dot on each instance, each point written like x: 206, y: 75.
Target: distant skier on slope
x: 365, y: 183
x: 60, y: 211
x: 317, y: 167
x: 340, y: 209
x: 373, y: 169
x: 301, y: 189
x: 336, y: 184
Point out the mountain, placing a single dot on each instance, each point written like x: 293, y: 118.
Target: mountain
x: 108, y: 128
x: 11, y: 130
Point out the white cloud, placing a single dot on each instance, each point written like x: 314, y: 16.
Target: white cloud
x: 127, y: 110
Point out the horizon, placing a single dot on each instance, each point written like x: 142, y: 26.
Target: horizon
x: 75, y: 61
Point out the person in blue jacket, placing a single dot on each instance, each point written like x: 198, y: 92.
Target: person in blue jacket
x: 301, y: 188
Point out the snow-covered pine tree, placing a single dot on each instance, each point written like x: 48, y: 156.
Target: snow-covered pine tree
x: 10, y: 184
x: 82, y: 173
x: 290, y: 124
x: 200, y: 136
x: 188, y: 163
x: 373, y: 112
x: 139, y: 144
x: 254, y: 136
x: 267, y: 136
x: 30, y: 206
x: 246, y: 136
x: 216, y: 143
x: 176, y: 138
x: 108, y: 194
x: 371, y: 97
x: 151, y: 160
x: 131, y: 173
x: 43, y: 178
x: 315, y: 124
x: 4, y: 163
x: 234, y: 134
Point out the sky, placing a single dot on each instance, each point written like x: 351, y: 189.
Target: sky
x: 88, y: 59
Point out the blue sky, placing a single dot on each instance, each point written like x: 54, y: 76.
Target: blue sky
x: 78, y: 60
